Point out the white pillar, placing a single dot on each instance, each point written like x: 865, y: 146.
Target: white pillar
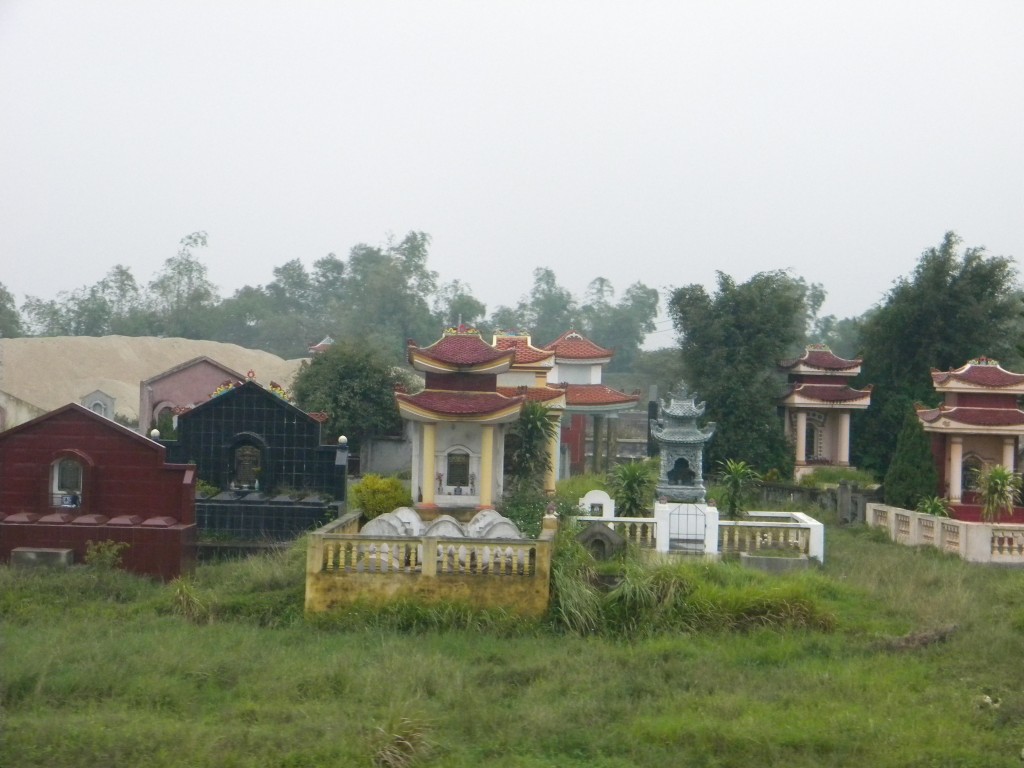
x: 1009, y: 446
x: 955, y: 467
x: 843, y: 458
x: 801, y: 438
x: 487, y: 465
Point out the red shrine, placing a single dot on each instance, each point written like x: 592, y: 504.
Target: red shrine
x: 818, y: 403
x: 978, y: 424
x: 458, y: 420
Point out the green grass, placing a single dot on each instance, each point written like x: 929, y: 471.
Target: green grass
x: 103, y: 669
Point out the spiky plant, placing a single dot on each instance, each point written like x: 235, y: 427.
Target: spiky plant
x: 632, y: 486
x: 999, y: 488
x: 933, y: 505
x: 737, y: 478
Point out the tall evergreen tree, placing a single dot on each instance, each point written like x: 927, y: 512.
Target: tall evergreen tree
x: 732, y: 342
x: 912, y: 474
x: 954, y: 307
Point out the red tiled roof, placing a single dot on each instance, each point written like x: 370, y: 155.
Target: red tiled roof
x: 534, y: 394
x: 526, y: 353
x: 821, y: 357
x: 574, y: 346
x: 978, y: 417
x: 829, y: 393
x: 979, y: 374
x: 460, y: 349
x: 596, y: 394
x: 459, y: 403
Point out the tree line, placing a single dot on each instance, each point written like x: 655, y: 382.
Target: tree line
x: 957, y: 304
x: 381, y: 295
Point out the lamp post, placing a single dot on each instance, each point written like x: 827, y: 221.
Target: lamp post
x: 341, y: 461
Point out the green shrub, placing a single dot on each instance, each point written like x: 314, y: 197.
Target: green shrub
x: 912, y: 474
x: 104, y: 555
x: 374, y: 495
x: 632, y: 486
x: 933, y: 505
x: 206, y: 489
x: 576, y: 487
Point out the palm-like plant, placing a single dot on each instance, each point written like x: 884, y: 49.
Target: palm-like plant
x: 933, y: 505
x: 632, y: 486
x: 1000, y: 490
x: 531, y: 438
x: 737, y: 479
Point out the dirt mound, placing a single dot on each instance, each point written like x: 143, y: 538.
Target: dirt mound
x: 53, y: 371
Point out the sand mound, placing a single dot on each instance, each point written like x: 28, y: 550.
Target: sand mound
x: 53, y: 371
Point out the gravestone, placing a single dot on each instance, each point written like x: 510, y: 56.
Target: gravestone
x: 601, y: 541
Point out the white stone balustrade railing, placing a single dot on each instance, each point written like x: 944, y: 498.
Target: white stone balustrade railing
x: 773, y: 531
x: 975, y: 542
x: 338, y: 553
x: 759, y: 531
x: 642, y: 531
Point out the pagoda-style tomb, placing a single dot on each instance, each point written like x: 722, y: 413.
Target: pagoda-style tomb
x: 978, y: 424
x: 578, y: 367
x: 459, y: 421
x: 818, y: 403
x: 681, y: 445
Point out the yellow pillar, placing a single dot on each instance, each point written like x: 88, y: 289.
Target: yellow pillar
x: 429, y: 469
x: 487, y: 465
x: 551, y: 476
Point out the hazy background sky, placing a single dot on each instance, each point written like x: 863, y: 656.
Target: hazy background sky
x: 635, y: 140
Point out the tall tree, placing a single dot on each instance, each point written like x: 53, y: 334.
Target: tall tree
x: 355, y: 386
x: 622, y: 325
x: 182, y: 294
x: 10, y: 319
x: 454, y: 303
x: 912, y: 475
x: 955, y: 306
x: 387, y: 294
x: 731, y: 344
x: 548, y: 311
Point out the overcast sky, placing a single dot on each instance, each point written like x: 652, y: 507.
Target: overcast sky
x: 630, y: 140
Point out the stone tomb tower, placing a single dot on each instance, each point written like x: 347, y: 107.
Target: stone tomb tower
x: 681, y: 443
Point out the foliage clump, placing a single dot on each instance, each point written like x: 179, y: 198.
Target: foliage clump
x: 104, y: 555
x: 633, y: 485
x: 732, y: 342
x: 999, y: 488
x: 957, y: 304
x: 912, y: 475
x: 527, y: 452
x: 374, y: 495
x: 738, y: 479
x: 355, y: 387
x: 678, y: 596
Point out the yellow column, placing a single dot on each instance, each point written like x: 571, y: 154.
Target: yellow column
x: 487, y: 465
x: 955, y: 468
x: 429, y: 469
x: 551, y: 476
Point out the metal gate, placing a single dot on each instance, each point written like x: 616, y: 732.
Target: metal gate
x: 687, y: 525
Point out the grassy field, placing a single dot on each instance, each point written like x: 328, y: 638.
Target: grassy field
x: 101, y: 669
